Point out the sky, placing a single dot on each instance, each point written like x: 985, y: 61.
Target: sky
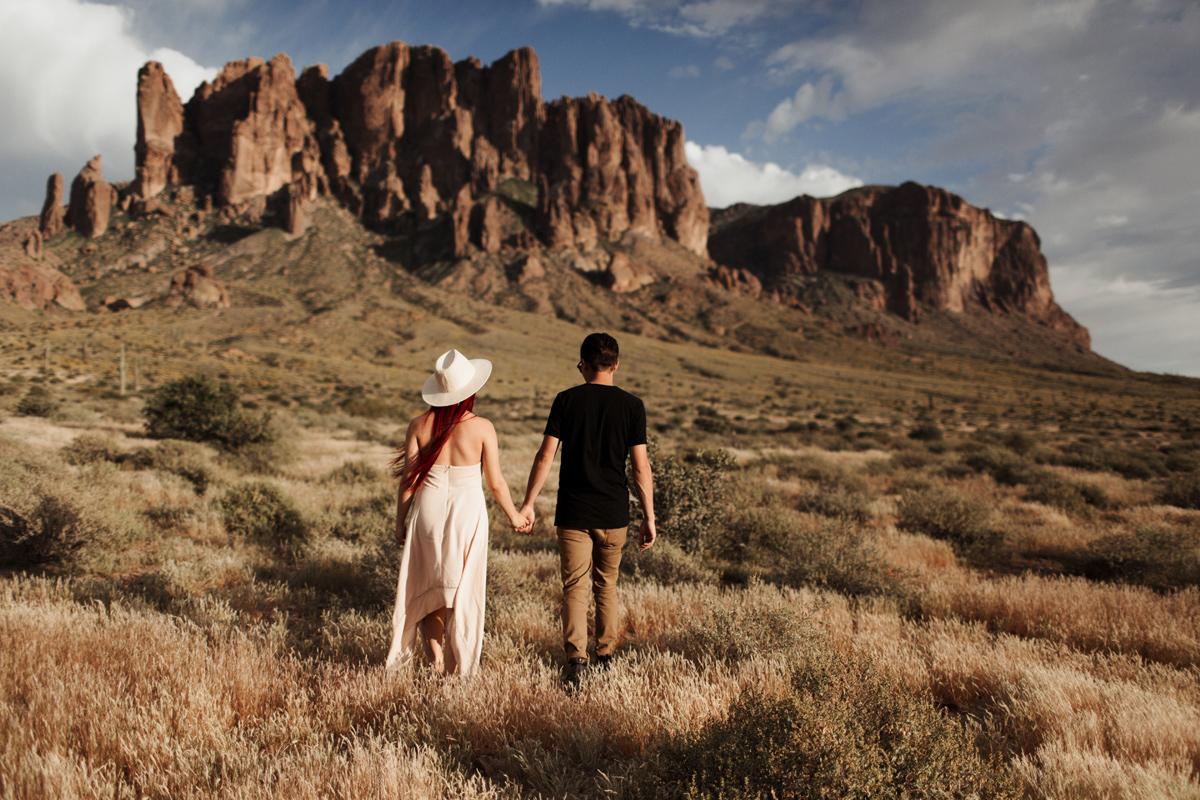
x: 1081, y: 117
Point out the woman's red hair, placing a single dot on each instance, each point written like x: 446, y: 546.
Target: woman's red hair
x: 444, y: 420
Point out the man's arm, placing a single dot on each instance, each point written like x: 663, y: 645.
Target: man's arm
x: 538, y: 474
x: 643, y: 482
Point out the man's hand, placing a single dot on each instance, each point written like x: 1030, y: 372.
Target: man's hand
x: 528, y: 515
x: 646, y: 535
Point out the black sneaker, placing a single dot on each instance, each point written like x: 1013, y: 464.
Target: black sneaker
x: 573, y: 672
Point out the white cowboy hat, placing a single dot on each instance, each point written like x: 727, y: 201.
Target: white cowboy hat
x: 455, y: 378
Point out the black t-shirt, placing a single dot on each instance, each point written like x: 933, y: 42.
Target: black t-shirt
x: 597, y: 425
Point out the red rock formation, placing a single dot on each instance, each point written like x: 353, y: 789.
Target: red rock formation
x: 91, y: 201
x: 607, y: 168
x: 199, y: 286
x: 403, y: 131
x: 39, y: 287
x: 160, y: 123
x: 249, y: 126
x: 51, y: 221
x: 923, y: 244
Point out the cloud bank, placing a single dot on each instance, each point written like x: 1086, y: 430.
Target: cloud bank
x: 68, y: 87
x: 728, y: 178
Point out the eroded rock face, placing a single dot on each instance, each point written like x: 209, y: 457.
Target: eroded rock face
x: 608, y: 168
x: 251, y: 131
x: 199, y: 286
x: 160, y: 123
x: 51, y: 220
x: 923, y: 244
x: 91, y: 201
x: 405, y: 136
x: 39, y: 287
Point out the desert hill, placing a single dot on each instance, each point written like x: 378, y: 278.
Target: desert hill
x: 460, y: 176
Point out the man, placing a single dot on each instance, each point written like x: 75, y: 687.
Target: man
x: 598, y: 425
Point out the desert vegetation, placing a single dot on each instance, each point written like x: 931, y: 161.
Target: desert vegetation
x: 867, y: 585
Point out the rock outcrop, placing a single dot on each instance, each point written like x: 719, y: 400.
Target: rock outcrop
x: 608, y: 168
x: 405, y: 136
x: 91, y: 201
x: 160, y: 124
x: 924, y: 245
x: 39, y: 287
x: 199, y: 286
x: 51, y: 220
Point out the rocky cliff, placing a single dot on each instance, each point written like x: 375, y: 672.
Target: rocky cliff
x: 404, y: 136
x: 923, y: 245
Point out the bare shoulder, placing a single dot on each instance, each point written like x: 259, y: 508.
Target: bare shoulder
x: 482, y: 425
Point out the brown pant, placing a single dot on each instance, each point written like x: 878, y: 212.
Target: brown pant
x: 596, y: 551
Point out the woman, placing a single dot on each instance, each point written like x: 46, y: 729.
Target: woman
x: 441, y: 519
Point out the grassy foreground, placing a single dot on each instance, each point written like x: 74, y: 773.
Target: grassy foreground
x: 907, y: 582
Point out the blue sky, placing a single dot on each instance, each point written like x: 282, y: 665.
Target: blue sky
x: 1080, y: 116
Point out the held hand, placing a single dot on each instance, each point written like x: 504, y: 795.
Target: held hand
x: 527, y: 517
x: 646, y: 535
x: 400, y: 535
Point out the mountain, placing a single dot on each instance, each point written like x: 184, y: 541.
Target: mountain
x: 459, y: 179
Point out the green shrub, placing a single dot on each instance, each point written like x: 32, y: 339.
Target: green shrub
x: 199, y: 409
x: 1182, y: 491
x: 354, y: 472
x: 759, y: 620
x: 690, y: 493
x: 1006, y: 467
x: 927, y: 431
x: 48, y: 514
x: 783, y: 547
x: 836, y: 502
x: 372, y: 408
x: 1128, y: 462
x: 845, y: 729
x: 945, y: 514
x: 38, y: 402
x: 262, y: 511
x: 826, y: 472
x: 1073, y: 498
x: 667, y: 563
x: 188, y: 460
x: 90, y: 448
x: 1159, y: 556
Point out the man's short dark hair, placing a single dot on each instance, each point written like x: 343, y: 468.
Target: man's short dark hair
x: 600, y: 350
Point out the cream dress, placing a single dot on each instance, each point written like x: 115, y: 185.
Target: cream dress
x: 444, y: 565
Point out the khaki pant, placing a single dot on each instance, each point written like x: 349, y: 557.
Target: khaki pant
x: 596, y: 551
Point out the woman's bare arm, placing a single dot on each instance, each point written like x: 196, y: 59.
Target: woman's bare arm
x: 412, y: 449
x: 495, y: 479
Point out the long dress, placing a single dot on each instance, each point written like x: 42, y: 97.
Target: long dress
x: 444, y: 565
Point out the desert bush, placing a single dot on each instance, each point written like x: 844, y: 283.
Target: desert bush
x: 1182, y: 491
x: 372, y: 408
x: 91, y: 448
x: 1128, y: 462
x: 836, y: 502
x: 927, y: 431
x: 667, y: 563
x: 844, y: 729
x: 948, y: 515
x: 188, y: 460
x: 690, y: 493
x: 38, y: 402
x: 263, y: 511
x: 199, y: 409
x: 761, y: 621
x: 47, y: 514
x: 1160, y: 556
x: 354, y: 472
x: 1006, y: 467
x: 1073, y: 498
x: 824, y: 471
x: 775, y: 541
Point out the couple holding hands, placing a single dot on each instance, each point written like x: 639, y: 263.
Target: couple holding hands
x: 441, y: 519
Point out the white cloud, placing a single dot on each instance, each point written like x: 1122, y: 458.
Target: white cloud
x: 811, y: 100
x: 702, y: 18
x: 68, y: 85
x: 724, y: 64
x: 689, y: 71
x: 729, y: 178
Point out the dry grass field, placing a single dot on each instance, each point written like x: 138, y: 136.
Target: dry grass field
x: 913, y: 572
